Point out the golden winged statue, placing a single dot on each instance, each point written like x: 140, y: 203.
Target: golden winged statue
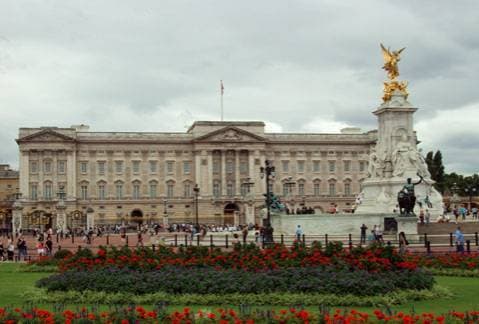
x: 391, y: 59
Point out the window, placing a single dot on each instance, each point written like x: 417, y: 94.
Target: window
x: 101, y: 191
x: 33, y: 191
x: 170, y: 165
x: 83, y: 167
x: 47, y: 167
x: 347, y: 189
x: 300, y: 166
x: 119, y: 166
x: 170, y: 189
x: 153, y: 166
x: 153, y: 190
x: 244, y: 189
x: 84, y: 192
x: 61, y: 167
x: 119, y: 190
x: 101, y: 168
x: 332, y: 189
x: 243, y: 167
x: 229, y: 166
x: 316, y: 189
x: 187, y: 190
x: 347, y: 166
x: 285, y: 166
x: 186, y: 167
x: 216, y: 166
x: 332, y: 166
x: 136, y: 190
x: 33, y: 166
x: 316, y: 166
x: 361, y: 166
x: 136, y: 167
x: 286, y: 189
x: 301, y: 188
x: 230, y: 189
x: 47, y: 191
x: 216, y: 189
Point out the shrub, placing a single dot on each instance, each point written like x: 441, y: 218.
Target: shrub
x: 207, y: 280
x: 62, y: 254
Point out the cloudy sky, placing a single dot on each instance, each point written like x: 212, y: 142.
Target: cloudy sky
x: 300, y: 66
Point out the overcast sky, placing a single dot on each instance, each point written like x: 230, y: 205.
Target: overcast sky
x: 300, y: 66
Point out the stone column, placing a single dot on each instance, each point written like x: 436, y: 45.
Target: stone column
x: 61, y: 215
x: 71, y: 175
x: 25, y: 173
x: 210, y: 173
x: 90, y: 218
x: 237, y: 173
x: 197, y: 157
x: 223, y: 173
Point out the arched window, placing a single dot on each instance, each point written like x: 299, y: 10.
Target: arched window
x: 301, y: 184
x: 84, y: 190
x: 136, y: 194
x: 317, y: 187
x: 101, y: 190
x: 153, y: 189
x: 187, y: 189
x: 170, y: 189
x: 119, y: 190
x: 332, y: 188
x: 47, y: 190
x: 216, y: 189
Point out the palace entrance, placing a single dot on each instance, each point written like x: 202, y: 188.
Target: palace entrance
x: 229, y: 213
x: 137, y: 216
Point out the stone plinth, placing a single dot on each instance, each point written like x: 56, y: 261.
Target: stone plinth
x: 338, y: 224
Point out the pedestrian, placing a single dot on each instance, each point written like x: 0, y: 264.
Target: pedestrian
x: 363, y: 229
x: 140, y: 239
x: 421, y: 216
x: 455, y: 211
x: 474, y: 213
x: 403, y: 243
x: 299, y: 233
x: 10, y: 251
x: 2, y: 252
x: 463, y: 212
x: 459, y: 240
x: 245, y: 233
x: 49, y: 246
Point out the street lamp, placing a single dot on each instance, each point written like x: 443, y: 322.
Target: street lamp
x: 471, y: 191
x: 268, y: 172
x: 196, y: 189
x: 165, y: 212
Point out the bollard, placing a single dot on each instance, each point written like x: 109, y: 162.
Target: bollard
x: 468, y: 246
x: 262, y: 242
x: 350, y: 242
x: 477, y: 238
x: 450, y: 240
x: 325, y: 239
x: 244, y: 239
x: 428, y: 247
x: 425, y: 240
x: 186, y: 240
x: 211, y: 240
x: 303, y: 240
x: 226, y: 241
x: 107, y: 239
x: 176, y: 239
x: 197, y: 240
x: 282, y: 239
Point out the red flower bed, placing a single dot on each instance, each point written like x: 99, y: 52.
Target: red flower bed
x: 226, y: 316
x: 250, y: 258
x: 446, y: 261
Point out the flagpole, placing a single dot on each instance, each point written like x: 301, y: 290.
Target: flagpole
x: 222, y: 89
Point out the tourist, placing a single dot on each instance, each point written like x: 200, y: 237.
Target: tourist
x: 10, y: 251
x: 455, y: 212
x: 235, y: 239
x: 245, y: 233
x: 459, y: 240
x: 463, y: 212
x: 140, y: 239
x: 403, y: 243
x: 299, y: 233
x: 49, y: 246
x: 2, y: 252
x: 372, y: 237
x: 40, y: 249
x: 22, y: 248
x: 421, y: 216
x: 474, y: 213
x: 363, y: 234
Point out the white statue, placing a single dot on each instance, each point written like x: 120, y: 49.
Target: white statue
x: 421, y: 165
x: 375, y: 166
x: 404, y: 156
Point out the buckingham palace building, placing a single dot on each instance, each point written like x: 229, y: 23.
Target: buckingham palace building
x: 76, y: 177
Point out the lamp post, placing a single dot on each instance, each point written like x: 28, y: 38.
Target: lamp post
x: 471, y: 191
x: 248, y: 200
x: 196, y: 189
x: 268, y: 172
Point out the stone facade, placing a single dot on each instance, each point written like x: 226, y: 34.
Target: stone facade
x: 115, y: 177
x: 8, y: 188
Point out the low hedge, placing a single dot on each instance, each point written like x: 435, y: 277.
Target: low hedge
x: 454, y: 272
x: 207, y: 280
x: 41, y: 296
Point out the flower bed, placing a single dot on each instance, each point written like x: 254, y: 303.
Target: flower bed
x: 207, y: 280
x: 225, y: 316
x: 249, y: 258
x: 464, y: 261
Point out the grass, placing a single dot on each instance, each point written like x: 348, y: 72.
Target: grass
x: 13, y: 282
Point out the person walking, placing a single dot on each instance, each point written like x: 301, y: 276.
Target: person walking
x: 10, y: 251
x: 459, y: 240
x: 299, y: 233
x: 403, y: 243
x: 363, y: 233
x: 49, y: 247
x: 474, y: 213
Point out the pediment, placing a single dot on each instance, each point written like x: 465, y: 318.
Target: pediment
x: 46, y: 135
x: 230, y: 134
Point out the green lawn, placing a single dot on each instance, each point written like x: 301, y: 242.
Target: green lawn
x: 13, y: 282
